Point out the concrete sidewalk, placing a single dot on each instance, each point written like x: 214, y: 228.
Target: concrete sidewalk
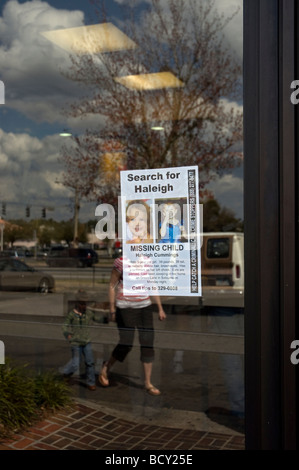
x: 89, y: 426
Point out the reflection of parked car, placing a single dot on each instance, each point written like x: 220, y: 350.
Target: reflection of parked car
x: 13, y: 253
x: 222, y: 257
x: 21, y: 252
x: 42, y: 253
x: 61, y: 256
x: 7, y: 254
x: 16, y: 275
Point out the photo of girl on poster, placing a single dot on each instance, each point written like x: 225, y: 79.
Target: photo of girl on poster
x: 138, y: 221
x: 171, y: 227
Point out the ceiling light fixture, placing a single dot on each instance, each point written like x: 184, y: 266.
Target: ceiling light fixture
x: 150, y: 81
x: 65, y: 134
x: 92, y: 39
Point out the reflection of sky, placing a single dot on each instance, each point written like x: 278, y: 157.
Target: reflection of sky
x: 35, y: 91
x: 228, y: 191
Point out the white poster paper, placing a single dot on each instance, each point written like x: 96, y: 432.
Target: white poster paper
x: 161, y: 232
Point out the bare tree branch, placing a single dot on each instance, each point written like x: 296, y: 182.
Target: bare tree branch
x: 199, y: 127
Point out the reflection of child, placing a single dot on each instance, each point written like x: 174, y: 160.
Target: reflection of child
x: 171, y: 229
x: 138, y: 222
x: 76, y: 329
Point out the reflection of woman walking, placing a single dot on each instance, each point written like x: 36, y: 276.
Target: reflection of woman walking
x: 131, y: 312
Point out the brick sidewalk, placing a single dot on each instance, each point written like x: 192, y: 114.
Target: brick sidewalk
x: 87, y: 428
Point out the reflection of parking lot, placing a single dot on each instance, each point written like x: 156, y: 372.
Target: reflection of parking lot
x: 198, y: 366
x: 191, y: 328
x: 17, y: 275
x: 31, y: 305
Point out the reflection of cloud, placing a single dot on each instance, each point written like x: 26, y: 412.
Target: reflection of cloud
x: 29, y: 169
x: 231, y: 106
x: 234, y: 31
x: 228, y: 190
x: 32, y: 64
x: 34, y: 162
x: 32, y: 73
x: 17, y: 151
x: 35, y: 87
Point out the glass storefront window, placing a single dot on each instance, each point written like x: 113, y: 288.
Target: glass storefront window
x: 146, y: 89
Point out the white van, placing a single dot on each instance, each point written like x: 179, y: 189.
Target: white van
x: 222, y: 268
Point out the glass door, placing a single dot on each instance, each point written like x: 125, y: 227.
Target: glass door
x: 122, y: 158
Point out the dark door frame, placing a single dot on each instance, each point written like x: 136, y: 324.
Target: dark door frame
x: 270, y: 207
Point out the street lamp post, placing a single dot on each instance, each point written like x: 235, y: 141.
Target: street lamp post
x: 76, y: 216
x: 2, y: 226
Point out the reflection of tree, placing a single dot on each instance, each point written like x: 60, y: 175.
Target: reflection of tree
x: 47, y: 231
x: 13, y: 231
x: 219, y: 219
x: 45, y: 236
x: 199, y: 126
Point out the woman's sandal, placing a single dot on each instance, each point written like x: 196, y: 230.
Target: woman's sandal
x: 152, y: 390
x: 103, y: 378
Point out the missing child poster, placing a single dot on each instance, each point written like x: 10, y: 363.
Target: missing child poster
x: 161, y: 232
